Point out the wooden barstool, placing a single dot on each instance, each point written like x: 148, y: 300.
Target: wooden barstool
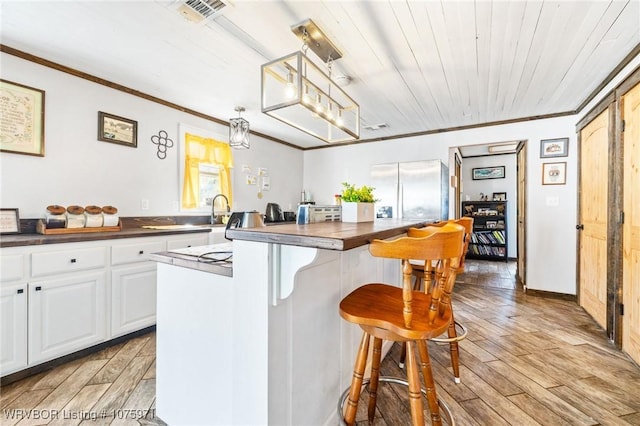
x: 398, y: 314
x: 426, y: 279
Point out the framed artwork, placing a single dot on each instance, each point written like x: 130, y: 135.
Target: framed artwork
x: 499, y: 196
x: 554, y: 173
x: 554, y: 147
x: 22, y: 112
x: 488, y: 173
x: 120, y: 130
x: 9, y: 221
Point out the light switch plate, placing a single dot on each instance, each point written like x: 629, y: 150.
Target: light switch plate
x: 553, y: 201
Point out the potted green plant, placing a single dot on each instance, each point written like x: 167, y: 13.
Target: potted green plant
x: 357, y: 203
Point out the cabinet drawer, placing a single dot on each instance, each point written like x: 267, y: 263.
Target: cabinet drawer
x: 58, y: 262
x: 200, y: 240
x: 137, y: 252
x: 12, y: 267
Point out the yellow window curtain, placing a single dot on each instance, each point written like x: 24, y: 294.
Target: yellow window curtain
x: 199, y: 150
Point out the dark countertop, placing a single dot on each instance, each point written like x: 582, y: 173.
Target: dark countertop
x: 327, y: 235
x: 134, y: 232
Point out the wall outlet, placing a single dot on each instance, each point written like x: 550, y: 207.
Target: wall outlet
x: 176, y: 206
x: 144, y: 204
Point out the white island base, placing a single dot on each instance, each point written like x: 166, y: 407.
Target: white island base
x: 266, y: 346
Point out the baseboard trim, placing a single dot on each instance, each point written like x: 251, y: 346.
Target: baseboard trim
x: 49, y: 365
x: 551, y: 295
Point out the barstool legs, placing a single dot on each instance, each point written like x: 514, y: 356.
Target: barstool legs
x: 415, y: 392
x: 453, y: 349
x: 425, y: 364
x: 452, y: 339
x: 356, y: 381
x: 375, y: 374
x: 348, y: 403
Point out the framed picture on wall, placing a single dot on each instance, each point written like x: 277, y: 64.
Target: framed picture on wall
x: 22, y: 112
x: 554, y: 147
x: 481, y: 173
x: 120, y: 130
x: 554, y: 173
x: 499, y: 196
x: 9, y: 221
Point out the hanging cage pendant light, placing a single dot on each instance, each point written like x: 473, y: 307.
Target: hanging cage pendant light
x: 297, y: 92
x: 239, y: 131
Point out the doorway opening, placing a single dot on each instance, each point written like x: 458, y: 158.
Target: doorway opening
x: 488, y: 181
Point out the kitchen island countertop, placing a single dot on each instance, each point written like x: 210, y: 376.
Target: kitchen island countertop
x: 327, y: 235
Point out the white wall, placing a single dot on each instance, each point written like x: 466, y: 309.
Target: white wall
x: 551, y: 234
x: 79, y: 169
x: 471, y: 189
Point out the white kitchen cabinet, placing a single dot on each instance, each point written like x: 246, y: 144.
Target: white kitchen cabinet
x: 133, y: 284
x: 13, y: 328
x: 133, y: 298
x: 191, y: 241
x: 57, y: 299
x: 65, y: 315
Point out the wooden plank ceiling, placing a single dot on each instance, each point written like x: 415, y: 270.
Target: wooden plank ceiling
x: 416, y: 65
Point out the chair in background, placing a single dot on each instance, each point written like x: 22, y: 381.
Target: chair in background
x: 425, y: 278
x: 387, y: 312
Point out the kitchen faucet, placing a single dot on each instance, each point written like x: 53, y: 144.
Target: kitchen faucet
x: 214, y: 216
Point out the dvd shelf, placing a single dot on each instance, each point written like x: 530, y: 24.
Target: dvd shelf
x: 489, y: 237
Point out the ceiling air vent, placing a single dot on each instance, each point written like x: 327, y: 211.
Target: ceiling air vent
x: 199, y: 10
x: 376, y: 126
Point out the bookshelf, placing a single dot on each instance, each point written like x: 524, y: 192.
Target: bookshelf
x: 489, y: 237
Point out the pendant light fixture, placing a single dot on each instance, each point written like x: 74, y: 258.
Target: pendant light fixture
x: 239, y: 131
x: 297, y: 92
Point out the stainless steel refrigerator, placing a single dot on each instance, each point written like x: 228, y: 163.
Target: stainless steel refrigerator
x: 412, y: 190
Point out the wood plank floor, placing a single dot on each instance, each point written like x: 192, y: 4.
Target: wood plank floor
x: 528, y: 360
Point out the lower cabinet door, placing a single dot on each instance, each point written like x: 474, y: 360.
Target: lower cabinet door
x: 13, y: 328
x: 133, y: 298
x: 66, y: 315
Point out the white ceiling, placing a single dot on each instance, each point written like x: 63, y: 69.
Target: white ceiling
x: 416, y: 65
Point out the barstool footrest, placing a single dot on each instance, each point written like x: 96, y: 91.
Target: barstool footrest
x: 444, y: 408
x: 459, y: 337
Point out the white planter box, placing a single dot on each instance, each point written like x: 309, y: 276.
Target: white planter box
x: 357, y: 212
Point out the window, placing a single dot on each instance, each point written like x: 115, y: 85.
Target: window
x: 209, y: 176
x: 205, y: 171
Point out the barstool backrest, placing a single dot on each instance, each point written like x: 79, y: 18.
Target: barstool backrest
x: 466, y: 222
x: 439, y: 247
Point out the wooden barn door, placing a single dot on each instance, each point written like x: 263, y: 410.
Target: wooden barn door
x: 594, y: 178
x: 630, y: 110
x: 521, y: 160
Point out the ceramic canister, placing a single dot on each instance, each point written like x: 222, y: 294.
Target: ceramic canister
x: 93, y: 216
x: 55, y: 217
x: 75, y: 217
x: 110, y: 216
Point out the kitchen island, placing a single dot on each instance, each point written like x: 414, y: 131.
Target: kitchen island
x: 267, y: 344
